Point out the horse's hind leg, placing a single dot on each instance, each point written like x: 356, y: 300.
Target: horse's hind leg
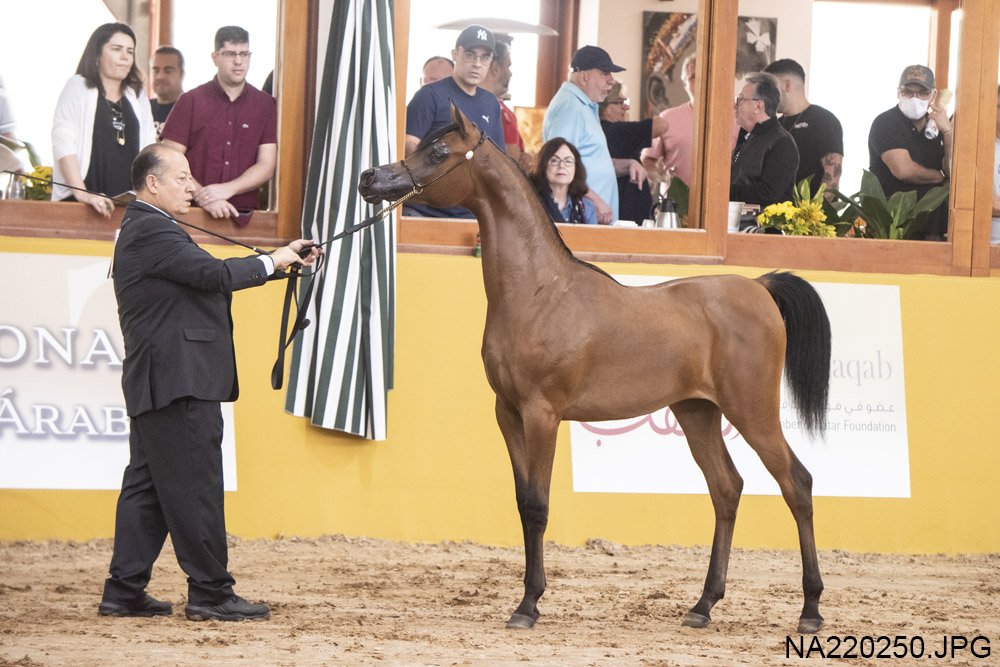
x: 531, y: 443
x: 795, y: 483
x: 701, y: 421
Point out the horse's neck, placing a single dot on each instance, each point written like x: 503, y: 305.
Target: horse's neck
x: 521, y: 248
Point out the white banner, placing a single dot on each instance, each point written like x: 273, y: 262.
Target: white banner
x: 62, y: 414
x: 865, y: 450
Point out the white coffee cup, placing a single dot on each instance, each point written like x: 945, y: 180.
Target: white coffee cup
x: 735, y: 211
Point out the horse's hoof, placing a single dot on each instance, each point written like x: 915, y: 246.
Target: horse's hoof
x: 695, y: 620
x: 809, y: 626
x: 521, y: 621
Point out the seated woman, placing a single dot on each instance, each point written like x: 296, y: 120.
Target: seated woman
x: 102, y: 120
x: 561, y: 181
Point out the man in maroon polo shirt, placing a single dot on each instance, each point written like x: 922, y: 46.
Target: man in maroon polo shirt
x: 228, y: 131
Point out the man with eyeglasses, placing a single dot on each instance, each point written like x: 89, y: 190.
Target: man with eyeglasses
x: 430, y: 108
x: 573, y: 115
x: 229, y: 132
x: 906, y: 152
x: 765, y: 158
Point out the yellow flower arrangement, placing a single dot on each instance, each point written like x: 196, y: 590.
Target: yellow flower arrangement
x: 803, y: 216
x: 39, y: 189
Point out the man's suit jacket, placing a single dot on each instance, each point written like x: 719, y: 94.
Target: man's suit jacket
x: 174, y: 309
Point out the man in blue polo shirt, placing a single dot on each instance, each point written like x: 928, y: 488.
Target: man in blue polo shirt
x: 430, y: 108
x: 573, y: 115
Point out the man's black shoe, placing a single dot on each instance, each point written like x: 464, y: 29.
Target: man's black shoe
x: 233, y: 609
x: 145, y: 606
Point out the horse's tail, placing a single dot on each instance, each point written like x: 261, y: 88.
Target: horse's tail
x: 807, y: 350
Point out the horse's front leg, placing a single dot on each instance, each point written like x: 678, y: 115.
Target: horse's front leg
x: 531, y: 443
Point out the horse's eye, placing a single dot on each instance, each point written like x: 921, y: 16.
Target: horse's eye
x: 439, y: 152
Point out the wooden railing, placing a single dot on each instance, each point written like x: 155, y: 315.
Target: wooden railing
x: 70, y: 220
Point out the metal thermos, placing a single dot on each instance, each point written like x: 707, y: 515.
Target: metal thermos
x: 15, y: 188
x: 666, y: 215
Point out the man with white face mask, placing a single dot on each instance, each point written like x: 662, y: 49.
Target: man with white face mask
x: 904, y: 154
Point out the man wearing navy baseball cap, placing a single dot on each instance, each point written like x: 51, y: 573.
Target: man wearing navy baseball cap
x: 573, y: 115
x: 430, y: 108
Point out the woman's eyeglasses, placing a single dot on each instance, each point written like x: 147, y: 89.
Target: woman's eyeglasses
x: 623, y: 101
x: 561, y: 161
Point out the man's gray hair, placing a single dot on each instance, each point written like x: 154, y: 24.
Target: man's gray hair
x: 766, y: 89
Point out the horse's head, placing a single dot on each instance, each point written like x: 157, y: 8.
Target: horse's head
x: 433, y: 169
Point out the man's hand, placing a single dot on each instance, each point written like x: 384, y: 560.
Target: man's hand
x: 221, y: 209
x: 285, y: 257
x: 604, y: 214
x: 211, y: 194
x: 636, y: 173
x: 939, y: 114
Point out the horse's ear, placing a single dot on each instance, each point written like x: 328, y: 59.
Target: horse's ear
x: 459, y: 119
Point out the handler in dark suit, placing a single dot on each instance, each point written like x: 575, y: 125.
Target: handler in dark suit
x: 174, y: 309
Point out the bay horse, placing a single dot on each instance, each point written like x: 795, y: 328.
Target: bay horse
x: 564, y: 340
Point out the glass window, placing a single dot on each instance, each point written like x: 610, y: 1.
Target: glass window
x: 427, y: 40
x: 194, y: 26
x: 854, y: 83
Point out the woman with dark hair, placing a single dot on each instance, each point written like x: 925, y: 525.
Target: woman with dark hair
x: 102, y: 120
x: 561, y: 181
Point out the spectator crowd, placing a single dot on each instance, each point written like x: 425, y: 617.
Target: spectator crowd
x: 597, y: 166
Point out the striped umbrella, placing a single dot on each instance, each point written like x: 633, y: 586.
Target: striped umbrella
x: 342, y: 365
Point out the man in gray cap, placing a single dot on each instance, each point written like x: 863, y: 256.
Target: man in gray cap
x: 573, y: 115
x: 430, y: 108
x: 906, y: 152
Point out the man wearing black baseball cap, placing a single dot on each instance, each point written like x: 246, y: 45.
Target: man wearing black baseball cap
x: 430, y: 108
x: 573, y: 115
x: 904, y: 153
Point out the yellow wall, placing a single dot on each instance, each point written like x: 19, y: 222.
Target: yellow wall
x: 444, y: 473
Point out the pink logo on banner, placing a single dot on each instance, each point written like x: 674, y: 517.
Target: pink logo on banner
x: 667, y: 426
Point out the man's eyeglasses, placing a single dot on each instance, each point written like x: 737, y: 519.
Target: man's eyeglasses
x: 740, y: 98
x: 560, y: 161
x: 623, y: 101
x: 922, y: 93
x: 472, y: 57
x: 233, y: 54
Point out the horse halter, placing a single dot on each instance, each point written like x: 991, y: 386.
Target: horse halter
x: 418, y: 187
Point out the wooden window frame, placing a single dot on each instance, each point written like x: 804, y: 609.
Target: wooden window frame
x: 968, y: 252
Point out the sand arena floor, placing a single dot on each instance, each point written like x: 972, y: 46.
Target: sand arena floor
x: 351, y: 601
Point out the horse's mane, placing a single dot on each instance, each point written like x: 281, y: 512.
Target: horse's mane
x: 435, y: 135
x: 451, y: 127
x: 552, y: 223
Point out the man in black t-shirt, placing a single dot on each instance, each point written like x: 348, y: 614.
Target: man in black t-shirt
x: 904, y: 153
x: 817, y: 132
x: 166, y: 73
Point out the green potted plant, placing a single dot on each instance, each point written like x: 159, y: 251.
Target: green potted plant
x: 870, y: 214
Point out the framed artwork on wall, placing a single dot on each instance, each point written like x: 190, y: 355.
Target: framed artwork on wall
x: 670, y: 37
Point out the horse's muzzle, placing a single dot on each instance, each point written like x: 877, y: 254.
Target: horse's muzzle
x: 367, y: 186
